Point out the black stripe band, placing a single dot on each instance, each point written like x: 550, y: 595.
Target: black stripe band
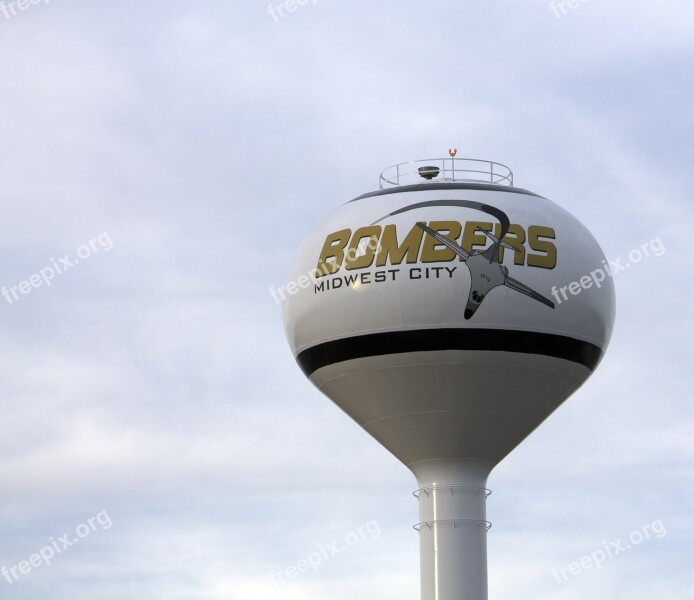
x: 426, y: 187
x: 427, y: 340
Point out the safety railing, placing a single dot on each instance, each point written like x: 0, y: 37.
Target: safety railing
x: 435, y: 170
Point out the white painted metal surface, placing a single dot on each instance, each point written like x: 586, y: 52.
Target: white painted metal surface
x: 437, y: 321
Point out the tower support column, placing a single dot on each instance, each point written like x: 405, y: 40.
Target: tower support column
x: 452, y: 529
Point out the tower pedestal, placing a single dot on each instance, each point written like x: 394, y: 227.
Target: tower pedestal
x: 452, y: 528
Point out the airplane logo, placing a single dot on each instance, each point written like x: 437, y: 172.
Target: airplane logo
x: 486, y: 272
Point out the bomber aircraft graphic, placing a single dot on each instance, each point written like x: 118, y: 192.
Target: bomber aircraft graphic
x: 486, y: 272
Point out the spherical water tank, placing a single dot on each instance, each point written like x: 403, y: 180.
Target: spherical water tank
x: 449, y: 313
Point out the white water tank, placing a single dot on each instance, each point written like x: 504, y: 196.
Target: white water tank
x: 449, y: 314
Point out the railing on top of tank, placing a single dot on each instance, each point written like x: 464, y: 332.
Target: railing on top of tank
x: 434, y: 170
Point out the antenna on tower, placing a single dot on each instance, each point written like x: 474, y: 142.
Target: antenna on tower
x: 452, y: 153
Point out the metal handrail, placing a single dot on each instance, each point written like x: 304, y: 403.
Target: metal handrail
x: 451, y: 487
x: 418, y: 526
x: 449, y: 170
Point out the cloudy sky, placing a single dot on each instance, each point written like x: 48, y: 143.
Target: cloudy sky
x: 164, y: 159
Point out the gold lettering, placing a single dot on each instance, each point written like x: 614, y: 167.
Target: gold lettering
x: 549, y: 259
x: 435, y: 251
x: 516, y: 241
x: 333, y: 248
x: 356, y: 260
x: 389, y: 249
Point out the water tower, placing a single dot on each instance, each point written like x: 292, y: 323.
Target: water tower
x: 449, y: 314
